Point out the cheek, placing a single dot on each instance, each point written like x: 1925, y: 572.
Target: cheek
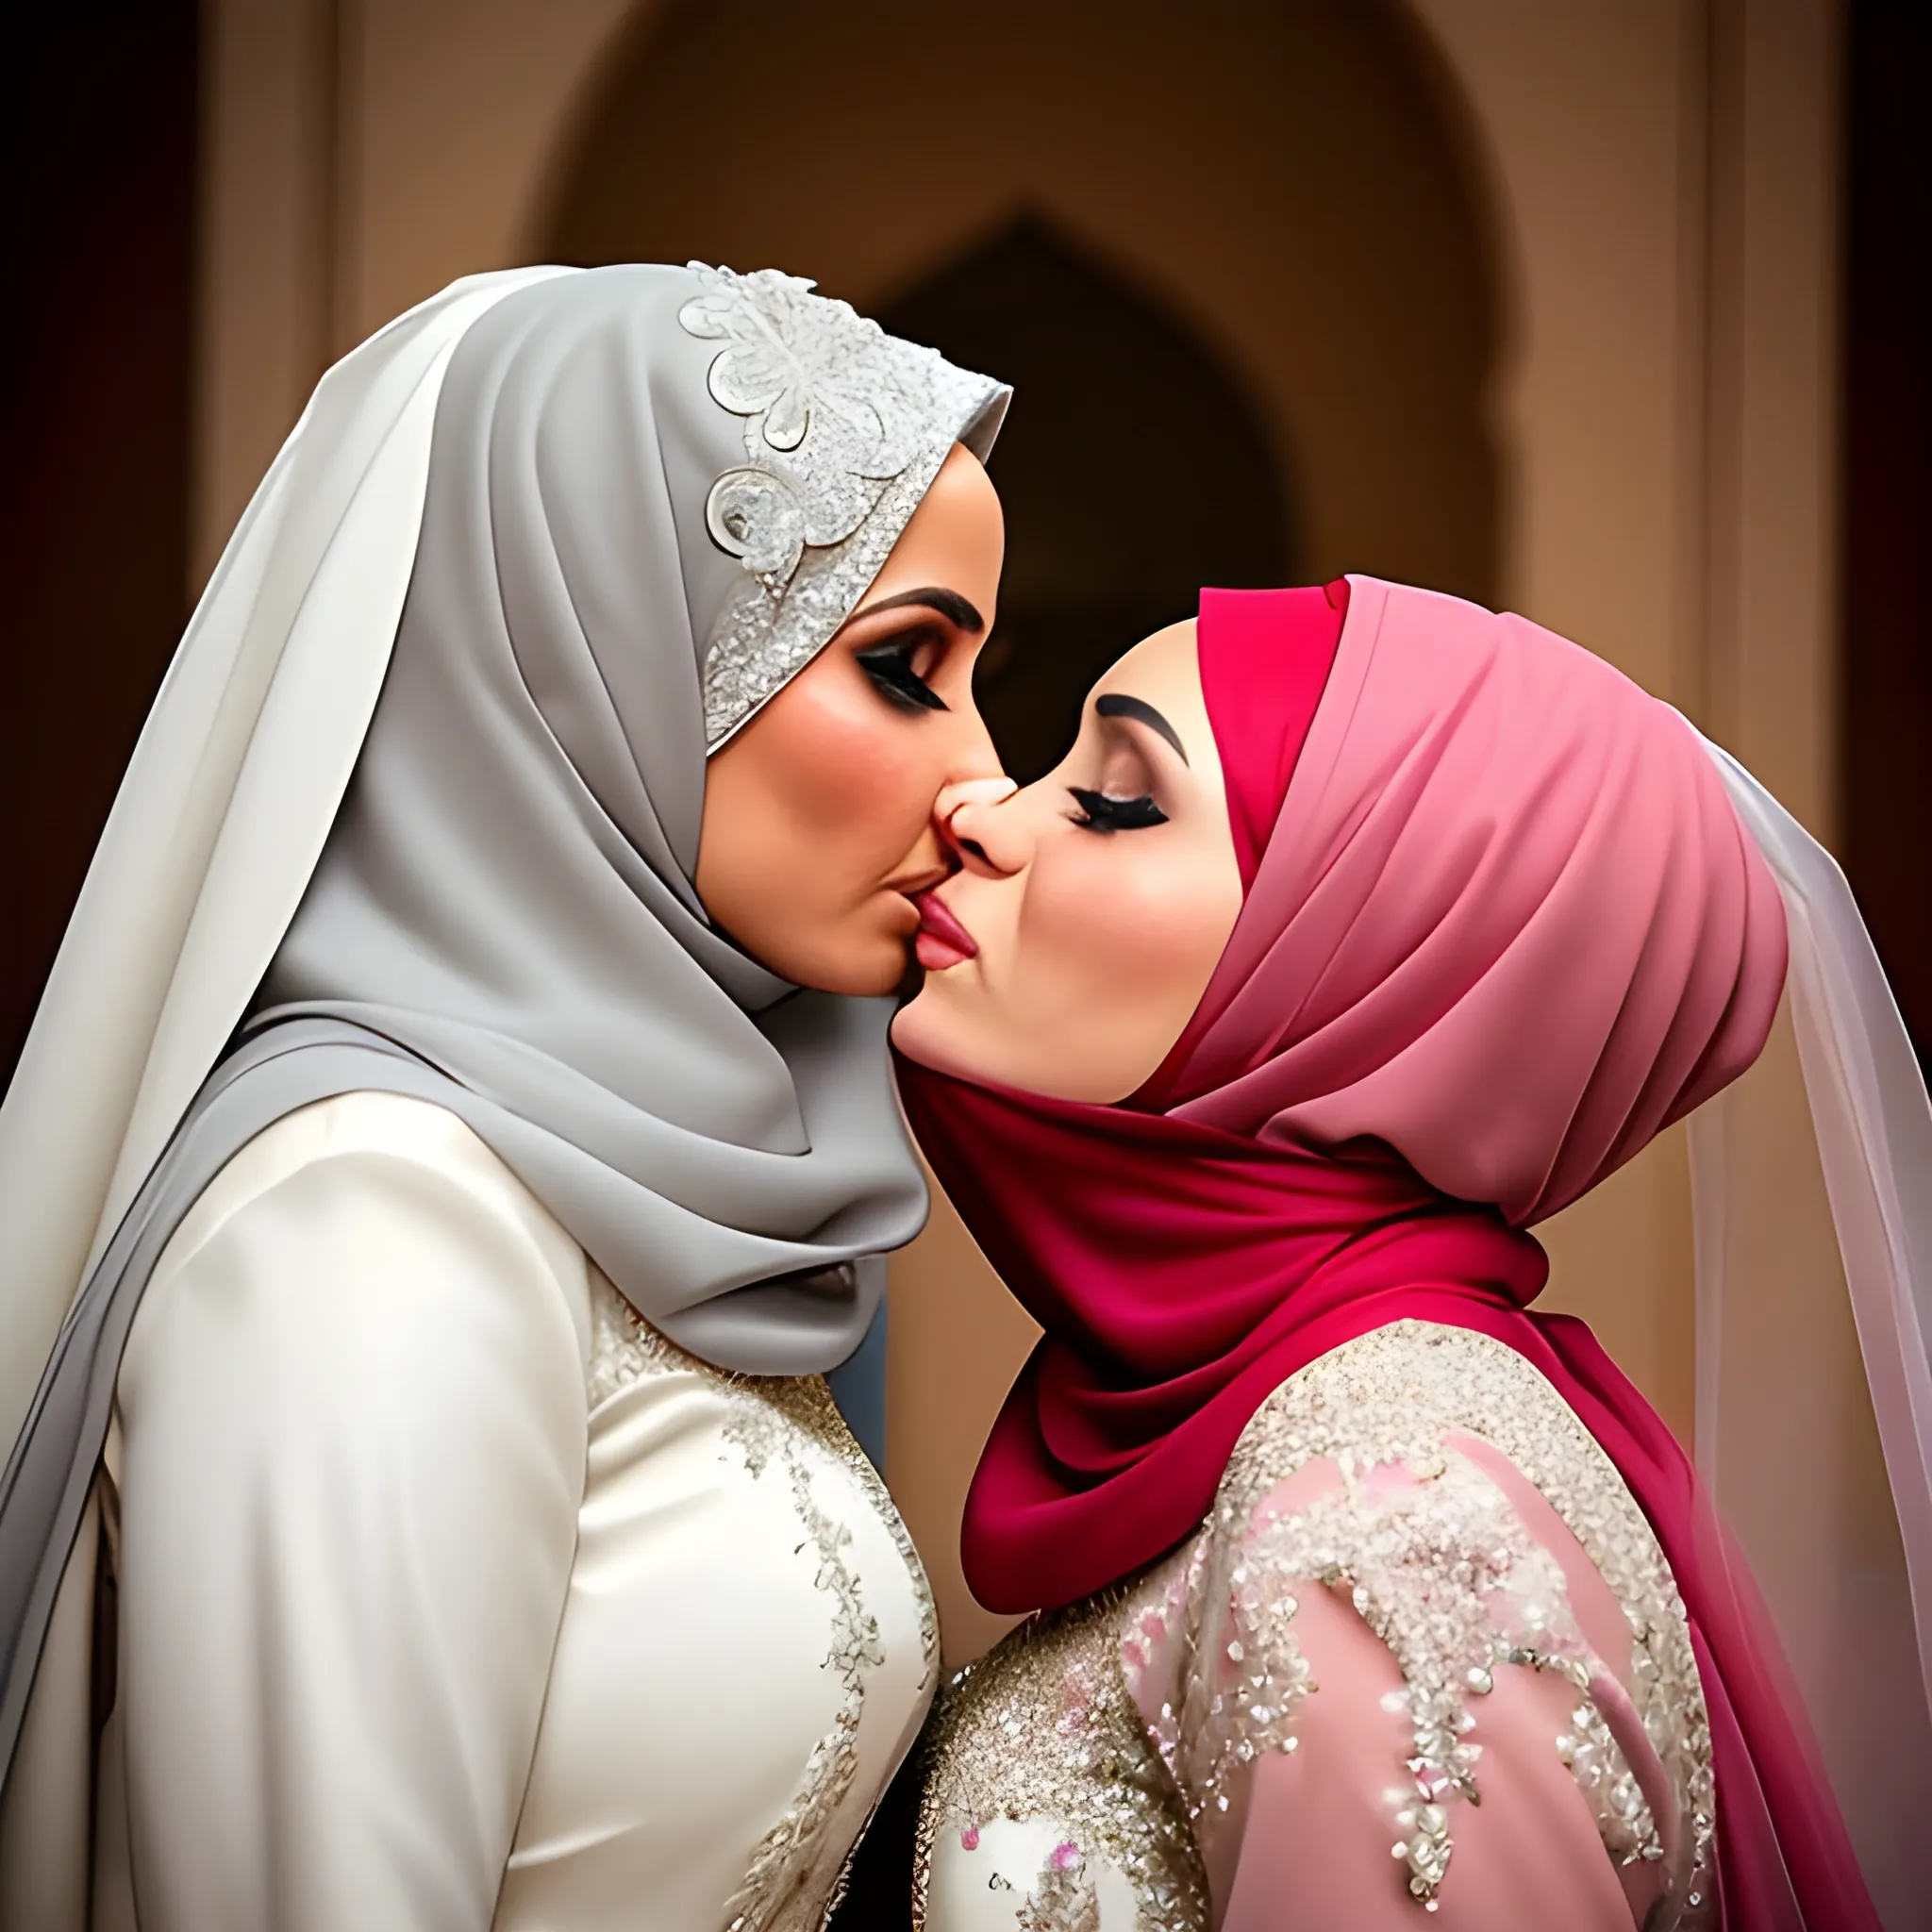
x: 1089, y: 970
x: 1142, y: 935
x: 840, y: 769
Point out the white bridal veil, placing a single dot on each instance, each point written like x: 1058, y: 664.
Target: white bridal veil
x: 225, y: 810
x: 1852, y: 1638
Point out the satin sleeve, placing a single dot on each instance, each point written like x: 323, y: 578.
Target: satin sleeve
x: 352, y: 1430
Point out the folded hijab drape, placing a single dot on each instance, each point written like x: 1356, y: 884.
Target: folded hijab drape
x: 495, y: 912
x: 1505, y: 926
x: 506, y: 889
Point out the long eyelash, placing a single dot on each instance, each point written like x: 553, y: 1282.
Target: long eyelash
x: 1100, y: 813
x: 889, y: 667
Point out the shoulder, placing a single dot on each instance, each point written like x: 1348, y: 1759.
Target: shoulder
x: 395, y: 1151
x: 379, y: 1228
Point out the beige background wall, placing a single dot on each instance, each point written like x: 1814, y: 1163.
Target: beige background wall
x: 1666, y: 175
x: 1655, y: 183
x: 360, y: 155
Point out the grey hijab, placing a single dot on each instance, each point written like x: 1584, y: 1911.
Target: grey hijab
x: 653, y: 495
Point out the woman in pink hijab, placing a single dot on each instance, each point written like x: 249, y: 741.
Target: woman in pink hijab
x: 1361, y: 930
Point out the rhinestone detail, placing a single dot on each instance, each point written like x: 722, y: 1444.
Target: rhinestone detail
x: 785, y: 1423
x: 1044, y: 1727
x: 844, y: 429
x: 1439, y: 1567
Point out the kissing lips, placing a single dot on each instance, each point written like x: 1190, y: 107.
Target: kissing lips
x: 942, y: 940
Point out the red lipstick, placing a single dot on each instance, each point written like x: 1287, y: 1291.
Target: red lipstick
x: 942, y: 940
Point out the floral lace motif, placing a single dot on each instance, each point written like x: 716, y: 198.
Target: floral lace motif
x: 1445, y: 1574
x: 844, y: 429
x: 1439, y: 1565
x: 783, y: 1425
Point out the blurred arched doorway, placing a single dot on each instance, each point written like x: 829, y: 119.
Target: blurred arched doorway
x: 1289, y: 188
x: 1103, y: 543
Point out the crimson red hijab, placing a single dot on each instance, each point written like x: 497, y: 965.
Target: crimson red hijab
x: 1501, y: 926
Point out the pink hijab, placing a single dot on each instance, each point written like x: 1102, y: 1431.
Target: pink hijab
x: 1501, y: 927
x: 1509, y: 924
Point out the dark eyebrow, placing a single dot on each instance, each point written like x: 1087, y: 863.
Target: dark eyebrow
x: 949, y: 604
x: 1117, y: 704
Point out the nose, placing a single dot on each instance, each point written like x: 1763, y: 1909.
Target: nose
x: 972, y: 792
x: 984, y: 834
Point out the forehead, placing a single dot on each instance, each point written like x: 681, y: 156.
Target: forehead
x: 1161, y: 669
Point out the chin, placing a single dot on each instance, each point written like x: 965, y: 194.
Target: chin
x: 873, y: 970
x: 920, y: 1033
x: 925, y: 1032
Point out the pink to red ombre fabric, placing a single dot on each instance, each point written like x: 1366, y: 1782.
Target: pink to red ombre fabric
x: 1501, y: 927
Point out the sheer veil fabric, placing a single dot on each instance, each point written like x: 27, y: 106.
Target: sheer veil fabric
x: 417, y: 809
x: 1857, y: 1622
x: 1873, y: 1125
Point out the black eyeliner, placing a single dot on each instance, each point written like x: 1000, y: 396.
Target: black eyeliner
x: 1103, y: 814
x: 889, y: 667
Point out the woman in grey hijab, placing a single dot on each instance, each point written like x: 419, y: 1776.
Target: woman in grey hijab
x: 429, y: 1199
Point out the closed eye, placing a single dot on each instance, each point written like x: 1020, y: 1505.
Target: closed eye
x: 1101, y: 813
x: 889, y: 666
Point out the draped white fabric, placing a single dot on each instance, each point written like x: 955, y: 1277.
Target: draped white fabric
x: 225, y: 806
x: 1873, y: 1127
x: 1785, y: 1431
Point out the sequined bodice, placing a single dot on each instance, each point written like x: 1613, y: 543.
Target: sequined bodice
x: 754, y: 1559
x: 1075, y: 1771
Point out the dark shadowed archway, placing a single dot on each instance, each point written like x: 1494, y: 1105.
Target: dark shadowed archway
x: 1135, y: 473
x: 1284, y: 201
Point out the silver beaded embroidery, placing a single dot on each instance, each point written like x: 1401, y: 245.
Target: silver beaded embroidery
x: 779, y: 1421
x: 1062, y: 1901
x: 1489, y: 1595
x: 844, y: 429
x: 1445, y: 1574
x: 1437, y: 1563
x: 1044, y: 1727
